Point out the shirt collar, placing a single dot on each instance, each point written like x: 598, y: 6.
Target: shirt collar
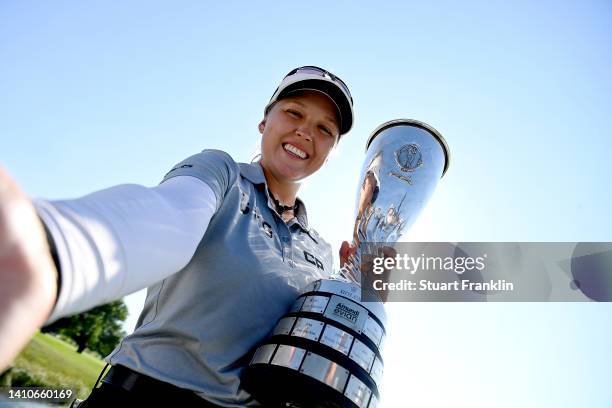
x: 254, y: 173
x: 301, y: 215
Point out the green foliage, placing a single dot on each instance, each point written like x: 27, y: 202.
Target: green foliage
x: 98, y: 329
x: 20, y: 377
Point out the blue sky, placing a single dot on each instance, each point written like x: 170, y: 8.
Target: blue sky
x: 94, y: 94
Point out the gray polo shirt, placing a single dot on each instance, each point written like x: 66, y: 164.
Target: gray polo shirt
x: 199, y: 326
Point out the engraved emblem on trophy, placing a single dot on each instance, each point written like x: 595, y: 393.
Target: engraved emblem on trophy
x: 326, y: 351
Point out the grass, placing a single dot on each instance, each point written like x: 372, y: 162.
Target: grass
x: 55, y: 363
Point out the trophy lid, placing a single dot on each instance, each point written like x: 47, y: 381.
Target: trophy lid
x: 419, y: 124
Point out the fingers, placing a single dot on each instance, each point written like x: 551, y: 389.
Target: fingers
x: 347, y: 251
x: 343, y: 253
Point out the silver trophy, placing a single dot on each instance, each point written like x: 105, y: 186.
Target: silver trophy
x: 326, y: 351
x: 404, y: 161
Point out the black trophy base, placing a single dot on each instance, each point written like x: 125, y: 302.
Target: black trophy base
x: 276, y: 386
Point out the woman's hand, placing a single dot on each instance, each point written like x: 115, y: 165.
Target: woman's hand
x: 28, y: 279
x: 347, y: 251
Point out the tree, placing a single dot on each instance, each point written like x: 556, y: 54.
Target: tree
x: 98, y: 329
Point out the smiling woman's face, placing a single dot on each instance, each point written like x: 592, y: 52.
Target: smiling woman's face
x: 298, y: 134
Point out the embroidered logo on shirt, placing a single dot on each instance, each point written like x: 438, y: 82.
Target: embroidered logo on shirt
x: 267, y: 228
x: 184, y: 166
x: 310, y: 258
x: 244, y: 202
x: 263, y: 225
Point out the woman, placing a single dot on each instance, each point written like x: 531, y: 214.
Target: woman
x: 223, y: 247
